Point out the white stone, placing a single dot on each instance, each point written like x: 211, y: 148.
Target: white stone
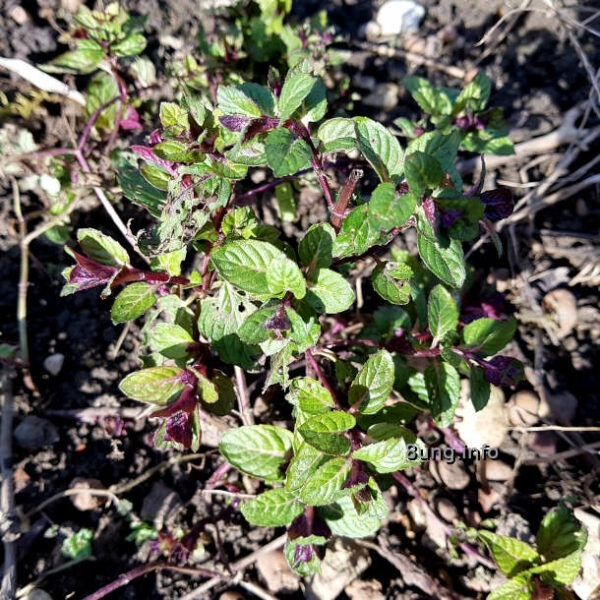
x: 54, y: 363
x: 399, y: 16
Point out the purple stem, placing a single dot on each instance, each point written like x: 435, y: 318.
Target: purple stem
x: 321, y: 376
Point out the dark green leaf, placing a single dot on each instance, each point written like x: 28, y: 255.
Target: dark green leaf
x: 489, y: 336
x: 442, y: 383
x: 442, y: 313
x: 446, y: 263
x: 286, y: 154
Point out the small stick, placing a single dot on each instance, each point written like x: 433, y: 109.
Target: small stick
x: 240, y: 565
x: 339, y: 210
x: 243, y: 397
x: 561, y: 455
x: 7, y: 492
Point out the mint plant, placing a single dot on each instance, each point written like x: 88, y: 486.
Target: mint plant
x: 543, y: 571
x: 254, y: 300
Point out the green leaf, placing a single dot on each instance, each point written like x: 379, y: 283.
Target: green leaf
x: 156, y: 176
x: 515, y: 589
x: 101, y: 90
x: 258, y: 450
x: 139, y: 191
x: 511, y: 555
x: 442, y: 382
x: 474, y: 97
x: 446, y: 263
x: 442, y: 313
x: 316, y: 247
x: 329, y: 292
x: 561, y: 571
x: 170, y: 340
x: 155, y: 385
x: 322, y: 487
x: 560, y: 534
x: 325, y: 432
x: 311, y: 396
x: 307, y: 459
x: 132, y: 302
x: 261, y: 96
x: 379, y: 147
x: 391, y: 282
x: 233, y: 101
x: 245, y: 264
x: 171, y: 150
x: 253, y: 330
x: 391, y: 455
x: 432, y: 100
x: 296, y: 88
x: 286, y: 202
x: 132, y: 45
x: 273, y: 508
x: 345, y: 521
x: 79, y: 545
x: 387, y: 209
x: 480, y: 388
x: 284, y: 275
x: 83, y: 60
x: 174, y: 118
x: 102, y: 248
x: 337, y: 134
x: 356, y: 235
x: 286, y: 154
x: 489, y: 336
x: 442, y: 147
x: 373, y: 384
x: 423, y: 172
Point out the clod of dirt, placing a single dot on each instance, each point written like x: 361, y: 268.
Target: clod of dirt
x: 19, y: 15
x: 54, y: 363
x: 542, y: 443
x: 161, y: 505
x: 497, y: 470
x: 562, y: 305
x: 588, y: 579
x: 453, y: 475
x: 488, y: 498
x: 277, y: 574
x: 563, y: 406
x: 446, y: 509
x: 384, y: 96
x: 365, y: 590
x: 83, y: 501
x: 487, y: 426
x: 34, y: 432
x: 342, y: 564
x: 523, y: 409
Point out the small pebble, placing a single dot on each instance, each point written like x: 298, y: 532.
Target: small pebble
x: 19, y: 15
x: 453, y: 475
x: 523, y: 409
x: 277, y: 574
x: 34, y: 432
x: 54, y: 363
x: 399, y: 16
x: 497, y: 470
x: 446, y: 510
x: 384, y: 96
x: 562, y: 304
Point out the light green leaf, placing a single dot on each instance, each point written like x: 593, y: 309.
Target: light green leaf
x: 515, y: 589
x: 432, y: 100
x: 489, y: 336
x: 253, y: 330
x: 325, y: 432
x: 423, y: 172
x: 443, y: 391
x: 132, y: 45
x: 310, y: 396
x: 392, y: 454
x: 345, y: 521
x: 171, y: 150
x: 392, y: 282
x: 233, y: 101
x: 245, y: 264
x: 356, y: 235
x: 329, y: 292
x: 316, y: 247
x: 511, y: 555
x: 261, y: 96
x: 337, y: 134
x: 474, y: 97
x: 446, y: 263
x: 286, y: 154
x: 258, y: 450
x: 132, y: 302
x: 442, y: 313
x: 373, y: 384
x: 380, y: 148
x: 170, y: 340
x: 561, y: 571
x: 387, y: 209
x: 101, y: 247
x: 322, y: 487
x: 174, y: 117
x: 273, y: 508
x: 283, y: 276
x: 83, y: 60
x: 155, y: 385
x: 560, y: 534
x: 306, y: 461
x: 296, y: 88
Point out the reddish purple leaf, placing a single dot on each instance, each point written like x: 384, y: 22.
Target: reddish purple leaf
x: 503, y: 371
x: 498, y: 204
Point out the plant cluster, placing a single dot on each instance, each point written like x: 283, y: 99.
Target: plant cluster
x: 225, y: 293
